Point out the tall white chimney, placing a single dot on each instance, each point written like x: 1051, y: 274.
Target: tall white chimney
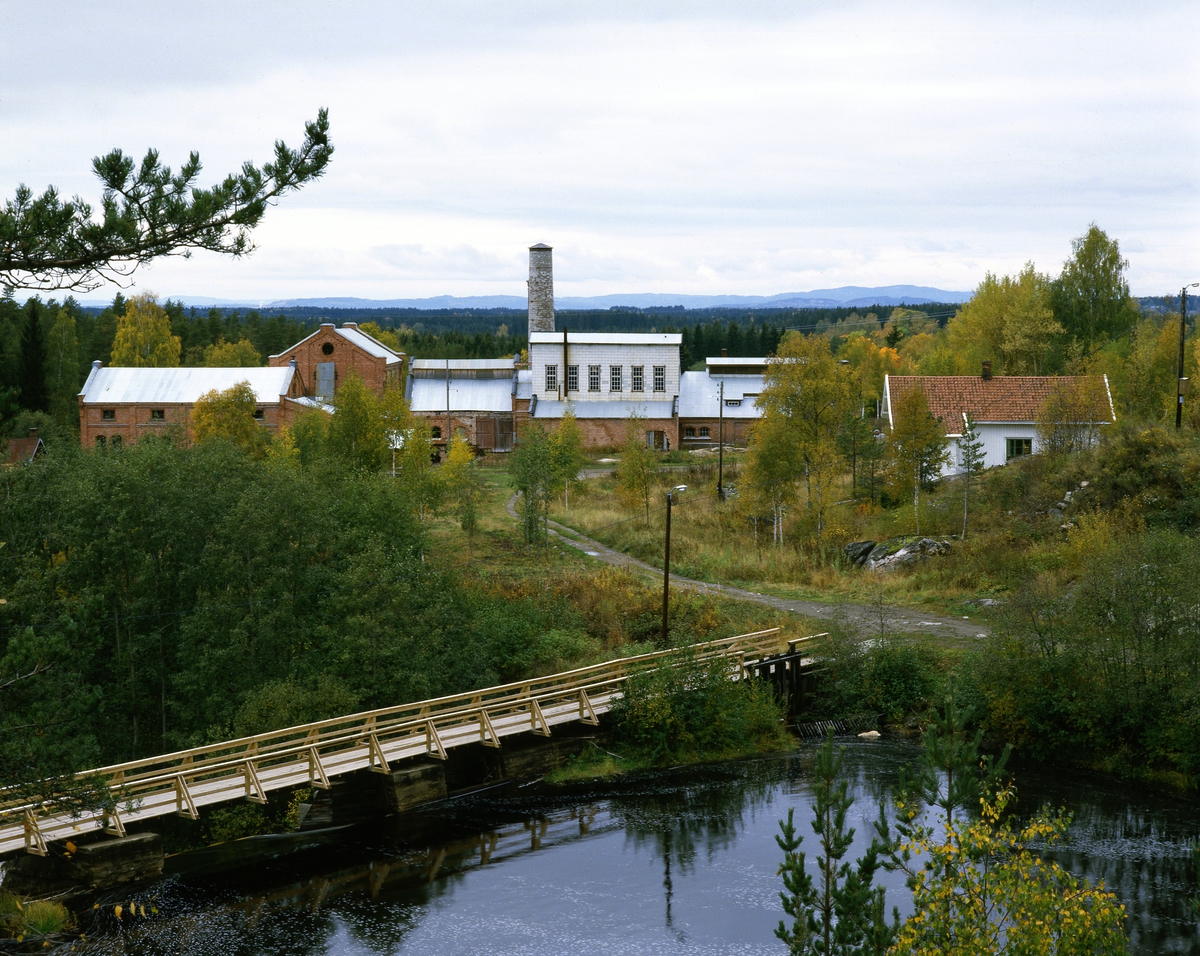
x: 541, y: 288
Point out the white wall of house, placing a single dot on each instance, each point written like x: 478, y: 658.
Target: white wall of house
x: 995, y: 437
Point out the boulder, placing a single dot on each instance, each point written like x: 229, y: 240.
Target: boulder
x: 857, y: 551
x: 900, y: 552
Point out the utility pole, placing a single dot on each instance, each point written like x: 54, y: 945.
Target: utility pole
x: 721, y: 444
x: 667, y: 561
x: 447, y: 406
x: 1183, y: 382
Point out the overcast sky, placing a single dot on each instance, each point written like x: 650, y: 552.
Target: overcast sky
x: 690, y: 148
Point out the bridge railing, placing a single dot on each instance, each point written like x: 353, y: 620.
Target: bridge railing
x: 313, y: 752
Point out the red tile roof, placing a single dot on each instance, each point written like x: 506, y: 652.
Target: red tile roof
x: 19, y: 450
x: 1003, y: 398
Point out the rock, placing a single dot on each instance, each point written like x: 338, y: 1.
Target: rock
x: 899, y: 552
x: 869, y: 734
x: 1083, y: 484
x: 1061, y: 506
x: 857, y: 552
x: 1055, y: 513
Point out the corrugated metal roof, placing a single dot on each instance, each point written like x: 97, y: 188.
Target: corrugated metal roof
x: 505, y: 364
x: 466, y: 395
x: 605, y: 409
x: 368, y: 344
x: 606, y: 338
x: 700, y: 394
x: 524, y: 383
x: 180, y: 386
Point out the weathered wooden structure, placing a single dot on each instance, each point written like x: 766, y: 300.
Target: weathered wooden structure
x: 383, y: 741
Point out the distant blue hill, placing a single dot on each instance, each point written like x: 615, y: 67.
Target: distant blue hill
x: 846, y: 296
x: 851, y: 296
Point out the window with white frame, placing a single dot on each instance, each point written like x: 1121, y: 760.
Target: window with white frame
x: 572, y: 378
x: 703, y: 431
x: 615, y: 378
x: 637, y: 377
x: 593, y: 378
x: 660, y: 378
x: 551, y: 378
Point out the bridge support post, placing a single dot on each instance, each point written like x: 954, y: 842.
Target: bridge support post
x: 106, y: 862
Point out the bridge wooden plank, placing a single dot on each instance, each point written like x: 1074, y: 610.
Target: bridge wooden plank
x: 312, y: 754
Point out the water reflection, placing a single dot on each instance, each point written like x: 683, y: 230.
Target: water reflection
x: 677, y: 862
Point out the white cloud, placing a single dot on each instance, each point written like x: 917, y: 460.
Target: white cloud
x: 702, y: 148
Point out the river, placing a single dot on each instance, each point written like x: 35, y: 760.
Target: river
x: 678, y: 862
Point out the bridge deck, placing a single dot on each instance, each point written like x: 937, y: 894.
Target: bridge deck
x: 312, y: 754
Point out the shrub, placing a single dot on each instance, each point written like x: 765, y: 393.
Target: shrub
x: 695, y: 711
x: 890, y: 676
x: 45, y: 917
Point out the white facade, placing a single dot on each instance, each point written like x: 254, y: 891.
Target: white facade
x: 607, y: 366
x: 995, y: 438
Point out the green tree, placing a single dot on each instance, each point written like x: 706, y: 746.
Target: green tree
x: 917, y: 446
x: 309, y: 434
x: 808, y: 390
x: 1091, y: 296
x: 855, y: 435
x: 62, y: 369
x: 637, y: 467
x: 148, y: 211
x: 1009, y: 320
x: 419, y: 481
x: 229, y: 355
x: 356, y: 431
x: 771, y: 468
x: 229, y: 416
x: 842, y: 912
x: 143, y: 338
x: 971, y: 461
x: 566, y: 451
x: 464, y: 486
x: 31, y: 377
x: 532, y: 467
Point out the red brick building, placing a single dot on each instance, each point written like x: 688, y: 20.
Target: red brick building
x: 121, y: 405
x: 329, y: 354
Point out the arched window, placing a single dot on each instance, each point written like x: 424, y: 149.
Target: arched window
x: 435, y: 432
x: 100, y: 440
x: 116, y: 441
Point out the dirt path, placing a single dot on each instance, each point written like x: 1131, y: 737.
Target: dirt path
x: 862, y: 617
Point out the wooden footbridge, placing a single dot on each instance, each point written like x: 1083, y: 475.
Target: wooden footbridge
x: 310, y: 755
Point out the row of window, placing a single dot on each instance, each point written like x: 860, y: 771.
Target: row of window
x: 156, y: 414
x: 690, y: 432
x: 616, y: 378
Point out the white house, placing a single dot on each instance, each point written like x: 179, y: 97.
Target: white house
x: 1005, y: 409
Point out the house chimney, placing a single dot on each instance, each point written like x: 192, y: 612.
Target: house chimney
x: 987, y: 371
x: 541, y: 288
x: 724, y: 353
x: 349, y: 325
x: 33, y: 432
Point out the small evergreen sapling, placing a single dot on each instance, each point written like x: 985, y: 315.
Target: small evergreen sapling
x: 971, y: 458
x: 842, y: 912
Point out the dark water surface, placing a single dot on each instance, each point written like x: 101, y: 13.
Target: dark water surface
x: 677, y: 863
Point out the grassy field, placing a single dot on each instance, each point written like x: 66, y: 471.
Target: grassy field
x: 720, y: 543
x: 608, y: 612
